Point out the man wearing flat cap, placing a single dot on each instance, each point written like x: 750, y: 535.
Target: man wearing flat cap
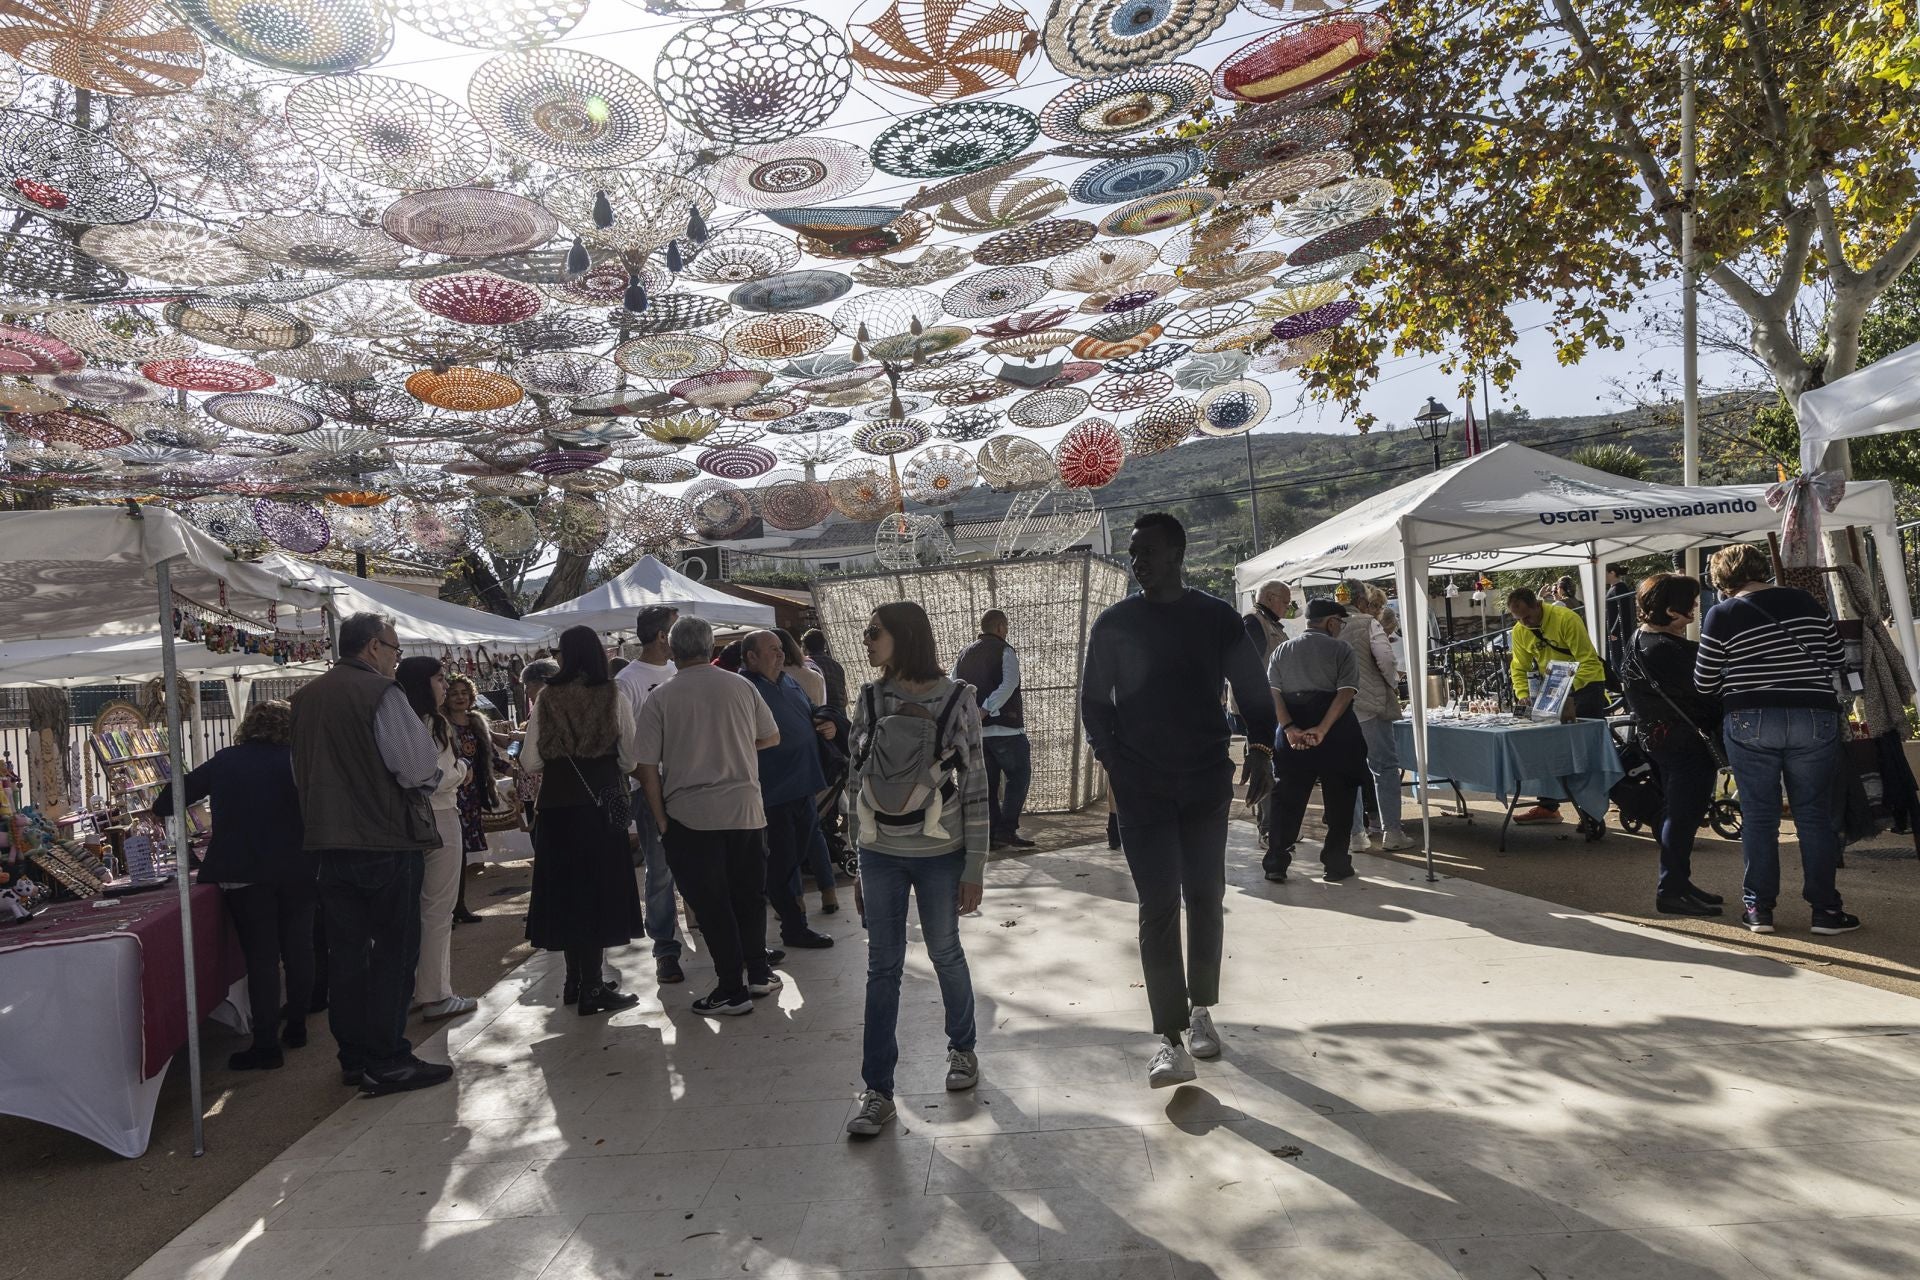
x: 1314, y: 677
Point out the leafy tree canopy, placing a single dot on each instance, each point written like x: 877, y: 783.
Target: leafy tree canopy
x: 1534, y: 146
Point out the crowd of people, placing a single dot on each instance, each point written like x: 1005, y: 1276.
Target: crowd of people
x: 677, y: 777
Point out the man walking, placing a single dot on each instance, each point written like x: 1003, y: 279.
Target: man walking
x: 992, y: 667
x: 790, y: 778
x: 698, y: 738
x: 815, y: 643
x: 637, y: 681
x: 1150, y: 700
x: 1314, y: 678
x: 365, y: 766
x: 1544, y: 634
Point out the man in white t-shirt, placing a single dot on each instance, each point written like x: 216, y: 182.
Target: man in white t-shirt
x: 636, y: 681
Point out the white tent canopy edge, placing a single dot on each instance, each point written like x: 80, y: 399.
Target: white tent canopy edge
x: 615, y: 603
x: 1879, y: 400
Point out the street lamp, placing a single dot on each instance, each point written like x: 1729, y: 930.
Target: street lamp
x: 1432, y: 422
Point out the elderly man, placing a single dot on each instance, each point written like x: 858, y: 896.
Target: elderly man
x: 992, y: 667
x: 1264, y: 625
x: 1150, y: 700
x: 637, y: 681
x: 699, y: 735
x: 1542, y: 635
x: 1314, y: 678
x: 790, y: 777
x: 365, y: 766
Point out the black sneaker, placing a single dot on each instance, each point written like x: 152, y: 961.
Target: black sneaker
x: 1834, y: 922
x: 775, y: 955
x: 1278, y: 877
x: 1335, y: 877
x: 1701, y: 895
x: 811, y: 940
x: 1684, y: 905
x: 667, y: 970
x: 1757, y: 920
x: 716, y: 1004
x: 1020, y: 842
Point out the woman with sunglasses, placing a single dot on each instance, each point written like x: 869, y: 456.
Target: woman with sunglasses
x: 940, y: 858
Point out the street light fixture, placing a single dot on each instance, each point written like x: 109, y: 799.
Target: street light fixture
x: 1432, y: 423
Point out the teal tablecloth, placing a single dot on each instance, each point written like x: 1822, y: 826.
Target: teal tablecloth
x: 1521, y: 759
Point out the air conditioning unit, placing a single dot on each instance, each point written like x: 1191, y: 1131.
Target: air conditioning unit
x: 702, y: 564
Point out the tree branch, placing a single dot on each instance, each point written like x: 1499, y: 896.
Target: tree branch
x: 1535, y: 129
x: 1844, y: 276
x: 1898, y: 257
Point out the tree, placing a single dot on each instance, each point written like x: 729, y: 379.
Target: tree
x: 1614, y: 459
x: 1535, y: 155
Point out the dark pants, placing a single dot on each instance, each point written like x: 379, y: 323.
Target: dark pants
x: 723, y: 877
x: 372, y: 905
x: 1173, y: 828
x: 1292, y: 794
x: 275, y: 924
x: 791, y: 830
x: 1686, y: 774
x: 1589, y: 703
x: 1009, y: 763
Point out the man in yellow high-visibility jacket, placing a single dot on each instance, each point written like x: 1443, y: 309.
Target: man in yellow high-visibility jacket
x: 1546, y: 633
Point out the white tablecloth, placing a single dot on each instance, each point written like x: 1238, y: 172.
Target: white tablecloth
x: 70, y: 1040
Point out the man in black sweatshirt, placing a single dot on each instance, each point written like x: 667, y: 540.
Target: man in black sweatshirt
x: 1150, y: 701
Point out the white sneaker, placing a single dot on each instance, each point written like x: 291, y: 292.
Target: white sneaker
x: 1361, y: 842
x: 1202, y: 1040
x: 1394, y: 841
x: 767, y: 988
x: 451, y: 1007
x: 963, y: 1070
x: 1172, y: 1065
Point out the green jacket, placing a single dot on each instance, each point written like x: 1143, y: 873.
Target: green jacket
x: 1566, y: 641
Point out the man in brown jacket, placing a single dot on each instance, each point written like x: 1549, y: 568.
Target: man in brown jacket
x: 364, y: 764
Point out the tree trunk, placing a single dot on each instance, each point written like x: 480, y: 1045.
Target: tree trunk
x: 49, y: 775
x: 478, y: 572
x: 568, y: 579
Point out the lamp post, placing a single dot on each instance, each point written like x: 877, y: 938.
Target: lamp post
x: 1432, y: 422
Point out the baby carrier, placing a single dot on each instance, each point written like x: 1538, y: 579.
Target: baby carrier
x: 899, y: 781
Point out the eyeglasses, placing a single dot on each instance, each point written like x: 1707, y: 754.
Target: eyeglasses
x: 397, y: 650
x: 873, y: 633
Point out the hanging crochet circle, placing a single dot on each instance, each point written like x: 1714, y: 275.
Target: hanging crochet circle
x: 477, y: 297
x: 1092, y: 38
x: 759, y: 76
x: 1301, y: 55
x: 1115, y: 106
x: 963, y: 138
x: 943, y: 49
x: 1132, y: 177
x: 308, y: 37
x: 1159, y: 212
x: 389, y: 132
x: 566, y: 108
x: 777, y: 174
x: 1090, y: 455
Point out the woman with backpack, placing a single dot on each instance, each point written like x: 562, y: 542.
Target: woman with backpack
x: 916, y: 805
x: 1677, y: 724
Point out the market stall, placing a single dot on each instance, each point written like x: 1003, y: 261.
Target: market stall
x: 88, y: 576
x: 612, y: 606
x: 1516, y: 508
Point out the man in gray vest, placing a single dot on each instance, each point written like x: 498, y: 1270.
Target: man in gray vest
x: 992, y: 667
x: 365, y: 764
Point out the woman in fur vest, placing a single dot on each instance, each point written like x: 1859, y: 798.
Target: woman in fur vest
x: 584, y: 898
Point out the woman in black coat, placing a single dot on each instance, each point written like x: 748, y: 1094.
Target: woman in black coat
x: 267, y: 879
x: 1676, y: 722
x: 580, y: 739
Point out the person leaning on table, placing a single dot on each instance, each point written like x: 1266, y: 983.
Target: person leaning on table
x: 1544, y: 634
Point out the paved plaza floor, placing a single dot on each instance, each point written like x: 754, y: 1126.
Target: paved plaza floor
x: 1418, y: 1081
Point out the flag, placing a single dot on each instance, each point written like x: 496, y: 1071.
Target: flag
x: 1473, y: 432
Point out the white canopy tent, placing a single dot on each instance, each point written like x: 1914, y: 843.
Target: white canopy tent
x: 1879, y: 400
x: 93, y: 574
x: 614, y: 604
x: 1513, y: 508
x: 423, y: 622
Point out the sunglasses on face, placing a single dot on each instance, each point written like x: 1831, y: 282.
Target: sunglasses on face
x: 873, y: 633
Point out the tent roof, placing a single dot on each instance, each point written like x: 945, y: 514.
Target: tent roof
x: 613, y: 604
x: 89, y: 571
x: 1878, y: 400
x: 1513, y: 507
x: 421, y: 621
x: 129, y: 659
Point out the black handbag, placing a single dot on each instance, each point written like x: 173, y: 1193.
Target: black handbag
x: 614, y: 802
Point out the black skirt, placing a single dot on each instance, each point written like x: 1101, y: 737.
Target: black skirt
x: 584, y: 891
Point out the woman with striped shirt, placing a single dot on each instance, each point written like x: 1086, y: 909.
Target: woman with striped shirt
x: 1770, y: 654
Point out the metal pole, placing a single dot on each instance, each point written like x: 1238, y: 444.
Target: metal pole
x: 177, y: 833
x: 359, y: 564
x: 1486, y: 407
x: 1689, y: 308
x: 1253, y: 492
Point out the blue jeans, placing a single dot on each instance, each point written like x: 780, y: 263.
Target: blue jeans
x: 1383, y: 762
x: 1799, y: 747
x: 885, y: 879
x: 1009, y: 759
x: 661, y: 910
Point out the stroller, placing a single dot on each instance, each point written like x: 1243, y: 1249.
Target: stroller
x: 826, y: 805
x: 1641, y: 801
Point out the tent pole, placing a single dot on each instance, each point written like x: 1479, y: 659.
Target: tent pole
x: 1893, y: 572
x: 1689, y: 315
x: 1595, y: 584
x: 177, y: 834
x: 1416, y: 618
